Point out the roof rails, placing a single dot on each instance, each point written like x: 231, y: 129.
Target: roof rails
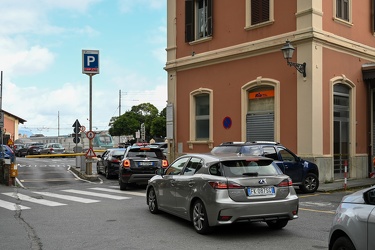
x: 265, y: 142
x: 232, y: 142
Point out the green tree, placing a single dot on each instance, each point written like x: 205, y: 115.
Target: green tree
x: 130, y: 122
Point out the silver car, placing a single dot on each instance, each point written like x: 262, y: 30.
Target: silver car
x: 214, y: 190
x: 52, y: 148
x: 354, y: 224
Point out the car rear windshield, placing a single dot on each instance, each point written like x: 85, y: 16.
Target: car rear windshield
x: 246, y: 150
x: 241, y: 168
x: 146, y: 152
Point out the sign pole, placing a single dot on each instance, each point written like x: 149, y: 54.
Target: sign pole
x: 89, y: 166
x: 90, y: 66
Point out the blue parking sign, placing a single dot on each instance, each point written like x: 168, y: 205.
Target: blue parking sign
x: 90, y: 61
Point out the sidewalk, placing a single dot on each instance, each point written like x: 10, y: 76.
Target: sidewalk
x: 351, y: 183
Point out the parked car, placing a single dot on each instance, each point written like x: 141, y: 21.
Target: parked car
x: 17, y: 149
x: 162, y: 145
x: 21, y: 152
x: 304, y: 174
x: 139, y: 165
x: 109, y: 162
x: 34, y: 149
x: 52, y: 148
x: 354, y: 223
x: 7, y: 153
x: 211, y: 190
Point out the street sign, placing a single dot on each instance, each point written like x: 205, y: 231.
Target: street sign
x: 90, y: 135
x: 90, y: 153
x: 90, y: 61
x: 76, y: 129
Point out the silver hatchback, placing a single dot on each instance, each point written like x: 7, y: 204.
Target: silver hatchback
x: 354, y: 224
x: 214, y: 190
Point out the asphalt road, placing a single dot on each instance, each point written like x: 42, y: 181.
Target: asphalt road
x: 57, y: 210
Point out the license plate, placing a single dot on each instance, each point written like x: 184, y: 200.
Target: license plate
x: 145, y: 163
x: 261, y: 191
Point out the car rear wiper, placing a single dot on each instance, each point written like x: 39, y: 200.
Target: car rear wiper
x: 251, y: 174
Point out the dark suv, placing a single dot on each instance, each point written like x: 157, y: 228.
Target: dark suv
x: 303, y: 173
x: 139, y: 164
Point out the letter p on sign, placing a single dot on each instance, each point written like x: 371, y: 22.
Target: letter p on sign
x: 90, y: 61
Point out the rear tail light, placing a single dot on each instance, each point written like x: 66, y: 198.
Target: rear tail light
x: 126, y: 163
x: 224, y: 185
x: 286, y: 183
x: 164, y: 163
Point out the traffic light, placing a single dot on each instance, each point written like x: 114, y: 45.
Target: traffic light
x: 76, y: 129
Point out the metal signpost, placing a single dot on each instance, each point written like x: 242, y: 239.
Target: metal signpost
x: 90, y: 67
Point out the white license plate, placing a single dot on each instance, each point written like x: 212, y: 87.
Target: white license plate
x: 261, y: 191
x: 145, y: 163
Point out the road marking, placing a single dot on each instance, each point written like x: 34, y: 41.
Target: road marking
x: 49, y: 180
x: 318, y: 211
x: 115, y: 197
x: 67, y: 197
x: 12, y: 206
x: 119, y: 191
x: 34, y: 200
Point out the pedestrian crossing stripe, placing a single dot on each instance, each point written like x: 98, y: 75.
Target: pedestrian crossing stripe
x: 67, y: 197
x: 115, y: 197
x: 34, y: 200
x: 119, y: 191
x: 27, y: 198
x: 12, y: 206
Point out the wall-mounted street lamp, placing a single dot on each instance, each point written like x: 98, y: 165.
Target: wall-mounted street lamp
x: 288, y: 50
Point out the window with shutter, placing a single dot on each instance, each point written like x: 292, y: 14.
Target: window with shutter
x: 198, y: 19
x: 260, y: 11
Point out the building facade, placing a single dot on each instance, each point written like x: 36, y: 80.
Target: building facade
x: 228, y: 80
x: 10, y: 130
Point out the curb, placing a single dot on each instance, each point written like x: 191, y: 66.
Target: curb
x: 93, y: 178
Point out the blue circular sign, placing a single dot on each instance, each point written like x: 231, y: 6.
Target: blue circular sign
x: 227, y: 122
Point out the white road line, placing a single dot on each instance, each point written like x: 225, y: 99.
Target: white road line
x: 12, y: 206
x: 34, y: 200
x: 115, y: 197
x: 119, y: 191
x: 67, y: 197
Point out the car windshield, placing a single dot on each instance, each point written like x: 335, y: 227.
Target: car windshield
x: 240, y: 168
x: 118, y: 152
x: 149, y: 152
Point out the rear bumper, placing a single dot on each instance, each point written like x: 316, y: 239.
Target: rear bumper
x: 129, y: 177
x: 252, y: 211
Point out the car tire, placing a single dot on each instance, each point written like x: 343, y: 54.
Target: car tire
x: 152, y: 201
x: 97, y: 169
x: 277, y: 224
x: 123, y: 185
x: 199, y: 218
x: 343, y: 242
x: 310, y: 184
x: 107, y: 175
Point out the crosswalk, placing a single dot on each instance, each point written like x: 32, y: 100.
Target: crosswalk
x: 91, y: 195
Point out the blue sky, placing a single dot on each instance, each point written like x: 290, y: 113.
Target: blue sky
x: 41, y: 43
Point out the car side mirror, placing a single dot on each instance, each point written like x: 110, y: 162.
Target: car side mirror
x: 369, y: 197
x: 159, y: 171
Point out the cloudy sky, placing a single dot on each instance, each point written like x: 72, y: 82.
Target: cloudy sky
x: 41, y: 43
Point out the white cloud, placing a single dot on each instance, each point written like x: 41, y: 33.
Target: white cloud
x: 128, y: 5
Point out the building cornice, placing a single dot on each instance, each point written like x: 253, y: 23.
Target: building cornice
x: 271, y: 45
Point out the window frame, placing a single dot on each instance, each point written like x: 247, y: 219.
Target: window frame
x: 193, y: 129
x: 340, y: 19
x: 191, y: 17
x: 248, y: 14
